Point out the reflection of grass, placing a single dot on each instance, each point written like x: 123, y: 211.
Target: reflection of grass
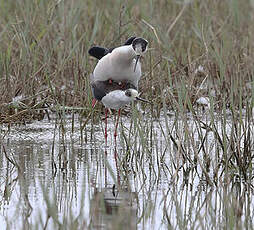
x: 201, y: 49
x: 192, y: 171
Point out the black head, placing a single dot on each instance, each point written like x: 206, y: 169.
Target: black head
x: 132, y: 93
x: 139, y: 43
x: 128, y: 93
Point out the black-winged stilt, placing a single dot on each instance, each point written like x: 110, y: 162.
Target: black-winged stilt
x: 115, y: 97
x: 115, y: 78
x: 122, y: 63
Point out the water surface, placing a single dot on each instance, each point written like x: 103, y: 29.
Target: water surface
x: 54, y: 176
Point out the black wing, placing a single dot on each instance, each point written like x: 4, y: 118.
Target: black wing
x: 129, y: 41
x: 99, y: 52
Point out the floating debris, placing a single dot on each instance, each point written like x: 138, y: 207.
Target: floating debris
x: 204, y: 101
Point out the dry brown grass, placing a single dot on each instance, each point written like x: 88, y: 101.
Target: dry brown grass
x: 44, y: 51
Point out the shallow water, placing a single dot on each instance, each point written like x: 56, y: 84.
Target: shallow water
x: 55, y: 177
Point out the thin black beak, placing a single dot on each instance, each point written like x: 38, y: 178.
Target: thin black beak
x: 141, y: 99
x: 137, y: 58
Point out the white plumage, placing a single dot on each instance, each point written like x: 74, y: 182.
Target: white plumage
x: 119, y: 66
x: 118, y: 98
x: 115, y: 78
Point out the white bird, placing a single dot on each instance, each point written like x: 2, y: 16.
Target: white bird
x: 122, y: 63
x: 117, y: 70
x: 117, y: 99
x: 114, y: 98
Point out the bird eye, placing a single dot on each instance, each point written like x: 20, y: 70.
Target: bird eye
x: 128, y: 93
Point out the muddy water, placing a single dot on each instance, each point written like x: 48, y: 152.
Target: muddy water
x: 55, y: 177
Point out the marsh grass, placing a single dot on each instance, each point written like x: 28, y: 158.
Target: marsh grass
x: 44, y: 56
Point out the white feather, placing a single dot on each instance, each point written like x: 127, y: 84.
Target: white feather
x: 117, y: 99
x: 118, y: 65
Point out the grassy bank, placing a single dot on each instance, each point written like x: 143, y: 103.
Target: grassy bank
x: 201, y: 48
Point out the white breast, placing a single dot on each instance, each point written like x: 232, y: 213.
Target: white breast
x: 119, y: 66
x: 116, y: 99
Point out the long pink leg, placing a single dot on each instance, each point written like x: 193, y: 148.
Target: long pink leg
x: 94, y: 102
x: 117, y: 121
x: 106, y: 116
